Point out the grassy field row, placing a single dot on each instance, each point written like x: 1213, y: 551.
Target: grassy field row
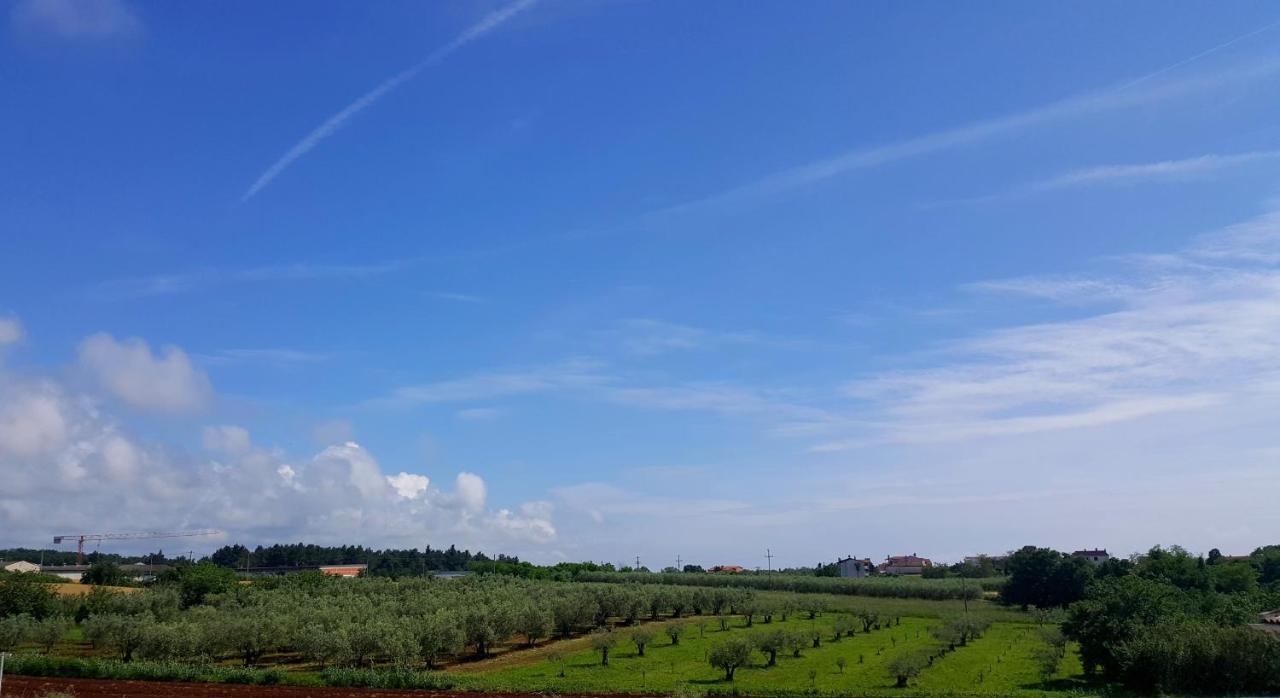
x: 999, y: 664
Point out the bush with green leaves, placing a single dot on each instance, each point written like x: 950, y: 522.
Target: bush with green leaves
x: 48, y: 632
x: 22, y: 594
x: 13, y: 632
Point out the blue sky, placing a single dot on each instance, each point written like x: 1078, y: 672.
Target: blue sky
x: 596, y: 280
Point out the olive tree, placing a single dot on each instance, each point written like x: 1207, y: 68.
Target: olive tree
x: 641, y: 637
x: 602, y: 641
x: 438, y: 637
x: 532, y: 621
x: 729, y: 654
x: 770, y: 643
x: 121, y: 633
x: 906, y: 666
x: 797, y: 640
x: 674, y: 631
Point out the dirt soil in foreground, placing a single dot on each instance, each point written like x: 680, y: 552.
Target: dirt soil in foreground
x: 35, y: 686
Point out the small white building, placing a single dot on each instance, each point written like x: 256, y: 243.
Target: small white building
x: 850, y: 567
x: 21, y: 566
x: 69, y: 572
x: 1096, y: 557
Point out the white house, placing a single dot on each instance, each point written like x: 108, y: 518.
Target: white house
x: 69, y: 572
x: 21, y: 566
x: 849, y: 567
x: 1096, y: 557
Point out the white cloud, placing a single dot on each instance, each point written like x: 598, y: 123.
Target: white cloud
x: 471, y: 491
x: 128, y: 370
x: 64, y: 460
x: 32, y: 422
x: 409, y: 485
x: 10, y: 331
x: 76, y: 19
x: 228, y: 439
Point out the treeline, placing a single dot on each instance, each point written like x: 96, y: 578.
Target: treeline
x: 62, y: 557
x: 382, y: 563
x: 895, y: 587
x: 1165, y: 621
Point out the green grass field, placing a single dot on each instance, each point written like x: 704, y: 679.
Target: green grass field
x: 1002, y: 657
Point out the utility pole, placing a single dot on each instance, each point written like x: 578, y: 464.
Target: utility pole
x: 637, y: 563
x: 769, y: 555
x: 2, y: 656
x: 678, y: 567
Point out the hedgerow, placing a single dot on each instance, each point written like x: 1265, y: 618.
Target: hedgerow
x: 895, y: 587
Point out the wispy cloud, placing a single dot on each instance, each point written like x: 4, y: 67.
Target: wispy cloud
x: 1115, y: 175
x: 1187, y: 168
x: 164, y: 284
x: 490, y: 22
x: 456, y: 297
x: 276, y: 355
x: 574, y: 374
x: 76, y: 19
x: 1195, y: 332
x: 649, y: 337
x: 1203, y: 54
x: 1113, y: 99
x: 479, y: 414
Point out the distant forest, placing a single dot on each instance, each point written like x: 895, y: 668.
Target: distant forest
x: 386, y: 563
x: 50, y: 556
x: 383, y: 563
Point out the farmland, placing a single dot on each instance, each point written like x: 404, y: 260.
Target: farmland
x: 629, y: 633
x: 502, y: 634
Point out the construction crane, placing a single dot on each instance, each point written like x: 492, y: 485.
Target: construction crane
x: 80, y: 538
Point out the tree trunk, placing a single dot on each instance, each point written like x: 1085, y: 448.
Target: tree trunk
x: 902, y: 682
x: 773, y: 657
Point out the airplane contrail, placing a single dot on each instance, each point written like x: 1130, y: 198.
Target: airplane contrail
x: 331, y: 125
